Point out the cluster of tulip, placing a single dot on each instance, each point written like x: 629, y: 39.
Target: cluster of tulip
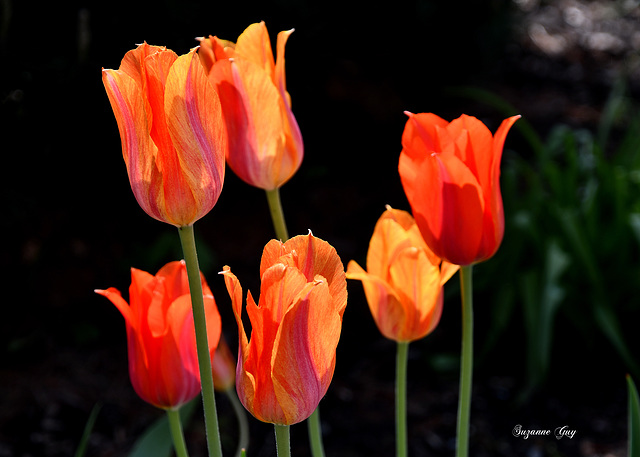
x: 181, y: 118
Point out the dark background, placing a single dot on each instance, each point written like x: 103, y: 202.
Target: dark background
x: 71, y: 224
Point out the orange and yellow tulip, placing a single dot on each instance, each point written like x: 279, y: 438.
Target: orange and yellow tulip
x: 286, y: 368
x: 451, y: 176
x: 163, y: 362
x: 404, y: 279
x: 265, y: 144
x: 173, y: 136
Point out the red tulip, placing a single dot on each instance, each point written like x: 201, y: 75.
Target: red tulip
x: 451, y: 176
x: 173, y: 136
x: 265, y: 144
x: 286, y: 368
x: 163, y: 361
x: 404, y: 279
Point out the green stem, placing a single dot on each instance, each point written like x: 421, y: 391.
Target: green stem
x: 243, y: 423
x: 176, y: 433
x: 283, y: 445
x: 466, y: 362
x: 204, y: 359
x: 401, y: 398
x: 277, y: 215
x: 315, y: 434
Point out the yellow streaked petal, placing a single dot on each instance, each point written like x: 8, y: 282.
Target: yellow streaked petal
x: 195, y: 124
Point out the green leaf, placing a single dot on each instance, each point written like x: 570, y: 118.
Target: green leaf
x: 156, y: 440
x: 634, y: 419
x: 88, y: 428
x: 610, y: 326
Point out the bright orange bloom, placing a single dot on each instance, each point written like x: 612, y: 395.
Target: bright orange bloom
x: 404, y: 279
x: 286, y: 368
x: 173, y: 136
x: 265, y: 144
x: 451, y: 176
x: 163, y: 361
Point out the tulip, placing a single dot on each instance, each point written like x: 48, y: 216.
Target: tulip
x: 172, y: 132
x: 286, y: 368
x: 265, y: 144
x: 404, y: 279
x: 450, y: 173
x: 163, y: 363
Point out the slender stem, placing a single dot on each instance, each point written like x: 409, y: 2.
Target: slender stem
x: 401, y: 398
x: 176, y: 433
x: 204, y: 359
x: 315, y: 434
x: 277, y: 215
x: 466, y: 361
x: 283, y: 445
x: 243, y: 423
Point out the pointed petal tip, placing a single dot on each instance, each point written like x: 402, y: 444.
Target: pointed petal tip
x: 408, y: 113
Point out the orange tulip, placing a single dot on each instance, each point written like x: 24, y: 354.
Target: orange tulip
x: 404, y: 279
x: 163, y: 362
x: 451, y: 176
x: 173, y: 136
x: 265, y: 144
x: 286, y: 368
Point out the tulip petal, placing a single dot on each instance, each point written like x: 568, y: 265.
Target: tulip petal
x: 157, y: 67
x: 447, y: 271
x: 317, y: 257
x: 476, y: 153
x: 245, y: 382
x: 448, y: 206
x: 254, y: 45
x: 235, y: 292
x: 195, y: 124
x: 213, y: 49
x: 262, y: 162
x: 115, y: 297
x: 278, y: 290
x: 279, y: 74
x: 304, y: 352
x: 214, y: 323
x: 138, y: 151
x: 387, y: 240
x: 494, y: 228
x: 133, y: 65
x: 177, y: 363
x: 417, y: 282
x: 385, y: 306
